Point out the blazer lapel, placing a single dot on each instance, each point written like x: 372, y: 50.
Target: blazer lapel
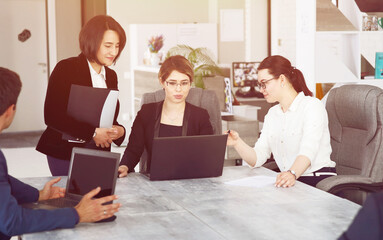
x: 186, y: 120
x: 158, y: 119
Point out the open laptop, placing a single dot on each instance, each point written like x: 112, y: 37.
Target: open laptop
x: 88, y: 169
x: 187, y: 157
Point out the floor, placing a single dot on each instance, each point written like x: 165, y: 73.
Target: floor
x: 22, y: 158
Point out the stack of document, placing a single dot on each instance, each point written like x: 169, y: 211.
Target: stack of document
x: 256, y: 182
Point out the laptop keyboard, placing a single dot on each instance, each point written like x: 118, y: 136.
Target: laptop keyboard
x: 60, y: 202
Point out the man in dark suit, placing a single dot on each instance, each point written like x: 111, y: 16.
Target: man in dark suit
x: 368, y: 223
x: 14, y: 219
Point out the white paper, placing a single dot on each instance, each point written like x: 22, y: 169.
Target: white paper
x: 256, y: 182
x: 109, y: 109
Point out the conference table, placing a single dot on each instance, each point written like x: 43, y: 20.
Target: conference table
x: 241, y: 204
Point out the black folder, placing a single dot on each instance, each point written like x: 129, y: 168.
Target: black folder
x: 94, y: 106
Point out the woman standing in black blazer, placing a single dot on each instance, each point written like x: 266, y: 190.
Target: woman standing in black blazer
x: 101, y: 41
x: 168, y: 118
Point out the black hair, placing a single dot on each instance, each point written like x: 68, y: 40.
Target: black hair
x: 278, y: 65
x: 10, y: 87
x: 92, y: 33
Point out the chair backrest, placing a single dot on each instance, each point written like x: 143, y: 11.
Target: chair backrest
x: 206, y: 99
x: 355, y: 115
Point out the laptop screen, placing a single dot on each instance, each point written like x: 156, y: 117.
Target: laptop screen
x: 89, y: 171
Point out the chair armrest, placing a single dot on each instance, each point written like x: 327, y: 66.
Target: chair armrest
x: 336, y: 184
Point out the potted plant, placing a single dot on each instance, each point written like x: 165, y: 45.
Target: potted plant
x: 201, y: 60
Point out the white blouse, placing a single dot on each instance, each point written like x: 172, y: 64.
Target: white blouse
x: 98, y: 79
x: 301, y: 130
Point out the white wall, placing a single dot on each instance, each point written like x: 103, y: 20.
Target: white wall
x: 68, y: 27
x: 258, y: 30
x: 283, y: 29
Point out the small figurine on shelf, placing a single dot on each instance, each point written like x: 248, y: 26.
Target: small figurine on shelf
x: 154, y: 45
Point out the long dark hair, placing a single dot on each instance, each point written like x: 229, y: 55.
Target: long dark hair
x: 278, y: 65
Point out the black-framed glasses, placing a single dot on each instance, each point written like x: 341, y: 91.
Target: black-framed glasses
x: 174, y: 84
x: 263, y: 84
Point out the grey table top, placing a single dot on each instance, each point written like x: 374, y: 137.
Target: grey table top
x: 210, y: 209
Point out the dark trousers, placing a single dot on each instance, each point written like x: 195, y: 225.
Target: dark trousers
x: 58, y: 167
x: 318, y: 176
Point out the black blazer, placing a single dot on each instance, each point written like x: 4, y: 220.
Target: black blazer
x: 70, y: 71
x: 146, y: 126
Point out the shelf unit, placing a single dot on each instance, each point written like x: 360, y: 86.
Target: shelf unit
x: 338, y: 54
x: 330, y: 43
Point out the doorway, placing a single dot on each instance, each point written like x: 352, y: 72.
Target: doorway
x: 23, y: 48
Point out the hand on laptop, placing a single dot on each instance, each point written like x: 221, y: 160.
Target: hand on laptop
x: 232, y: 137
x: 49, y: 191
x: 117, y: 132
x: 123, y: 171
x: 102, y: 138
x: 92, y: 210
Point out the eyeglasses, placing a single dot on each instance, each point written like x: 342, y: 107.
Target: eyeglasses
x: 173, y: 84
x: 263, y: 83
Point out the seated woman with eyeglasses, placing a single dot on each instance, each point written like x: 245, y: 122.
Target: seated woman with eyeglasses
x: 168, y: 118
x: 295, y: 131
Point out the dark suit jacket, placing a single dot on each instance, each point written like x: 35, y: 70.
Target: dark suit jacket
x: 67, y: 72
x: 368, y: 223
x: 15, y: 220
x: 146, y: 126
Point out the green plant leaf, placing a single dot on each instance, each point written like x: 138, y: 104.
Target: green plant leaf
x: 200, y: 58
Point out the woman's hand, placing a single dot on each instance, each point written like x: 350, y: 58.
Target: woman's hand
x: 49, y: 191
x: 232, y: 138
x: 285, y: 179
x: 123, y: 171
x: 117, y: 132
x: 102, y: 138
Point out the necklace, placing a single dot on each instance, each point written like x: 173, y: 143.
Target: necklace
x: 175, y: 118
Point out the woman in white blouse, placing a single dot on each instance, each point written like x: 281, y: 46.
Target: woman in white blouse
x: 295, y: 131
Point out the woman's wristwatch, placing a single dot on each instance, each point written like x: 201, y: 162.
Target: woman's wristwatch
x: 293, y: 173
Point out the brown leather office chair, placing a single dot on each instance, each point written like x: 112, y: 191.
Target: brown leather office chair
x: 206, y: 99
x: 355, y: 115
